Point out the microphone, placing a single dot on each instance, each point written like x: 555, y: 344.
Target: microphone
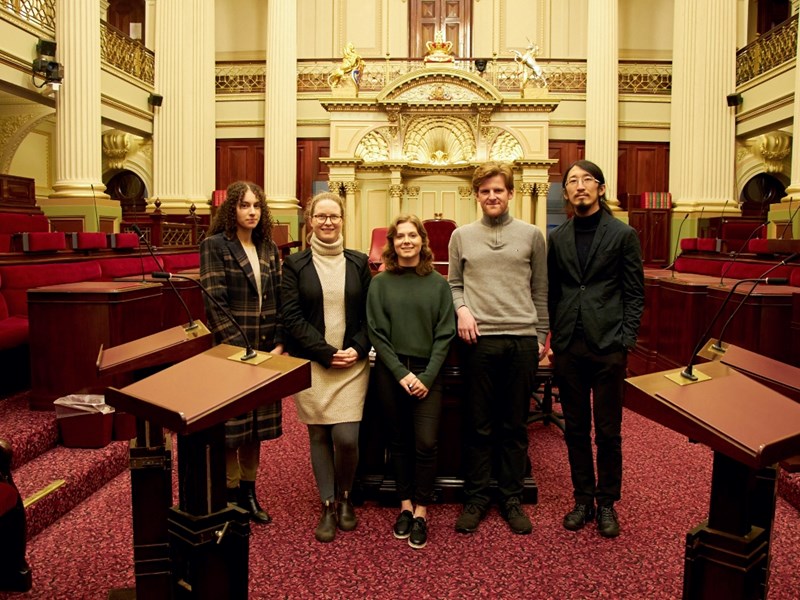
x: 192, y: 325
x: 677, y: 242
x: 736, y: 254
x: 791, y: 219
x: 721, y: 226
x: 717, y: 346
x: 249, y: 353
x: 139, y: 233
x: 687, y: 372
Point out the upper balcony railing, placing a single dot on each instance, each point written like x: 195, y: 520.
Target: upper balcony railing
x: 128, y: 55
x: 777, y: 46
x: 563, y: 76
x: 39, y: 13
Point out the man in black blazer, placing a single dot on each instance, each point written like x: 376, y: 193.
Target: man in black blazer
x: 595, y: 299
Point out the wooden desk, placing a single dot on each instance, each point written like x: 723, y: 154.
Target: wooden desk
x: 173, y: 312
x: 69, y: 322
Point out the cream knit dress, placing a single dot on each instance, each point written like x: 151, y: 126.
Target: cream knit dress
x: 335, y: 395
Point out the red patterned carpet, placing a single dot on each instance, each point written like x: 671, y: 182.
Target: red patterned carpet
x: 666, y: 485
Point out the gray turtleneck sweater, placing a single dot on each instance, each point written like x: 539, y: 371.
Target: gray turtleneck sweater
x: 498, y: 269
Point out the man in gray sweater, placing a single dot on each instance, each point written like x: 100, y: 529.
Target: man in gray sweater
x: 498, y: 276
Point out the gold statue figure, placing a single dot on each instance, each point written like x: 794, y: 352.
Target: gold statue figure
x: 439, y: 50
x: 531, y: 71
x: 352, y: 65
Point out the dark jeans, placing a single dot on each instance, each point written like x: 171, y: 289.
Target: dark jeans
x: 413, y: 428
x: 499, y: 373
x: 592, y: 383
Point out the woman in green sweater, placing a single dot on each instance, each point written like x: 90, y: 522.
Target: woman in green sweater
x: 411, y: 322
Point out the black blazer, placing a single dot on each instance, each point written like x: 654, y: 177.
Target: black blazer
x: 609, y: 292
x: 302, y: 314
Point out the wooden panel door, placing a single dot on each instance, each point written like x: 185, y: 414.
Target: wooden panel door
x: 239, y: 160
x: 452, y: 17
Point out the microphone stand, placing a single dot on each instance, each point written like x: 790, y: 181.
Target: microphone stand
x: 717, y: 346
x: 688, y: 373
x: 250, y: 353
x: 736, y: 254
x: 192, y: 325
x: 677, y: 241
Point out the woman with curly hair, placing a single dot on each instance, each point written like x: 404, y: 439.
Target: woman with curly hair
x: 324, y: 317
x: 411, y: 322
x: 240, y: 267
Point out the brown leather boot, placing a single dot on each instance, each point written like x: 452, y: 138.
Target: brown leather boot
x: 346, y: 513
x: 326, y: 528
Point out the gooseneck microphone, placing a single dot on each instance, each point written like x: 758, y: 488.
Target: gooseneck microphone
x: 687, y: 372
x: 249, y: 353
x: 717, y: 346
x: 192, y: 325
x: 677, y: 242
x: 736, y: 254
x: 792, y: 215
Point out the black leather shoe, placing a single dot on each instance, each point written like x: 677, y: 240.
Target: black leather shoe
x: 233, y: 495
x: 346, y: 513
x: 419, y: 533
x: 403, y: 524
x: 326, y: 528
x: 470, y: 518
x: 607, y: 522
x: 578, y: 516
x: 249, y: 502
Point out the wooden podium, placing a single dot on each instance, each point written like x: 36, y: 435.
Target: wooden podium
x: 749, y: 426
x: 151, y: 454
x: 208, y: 539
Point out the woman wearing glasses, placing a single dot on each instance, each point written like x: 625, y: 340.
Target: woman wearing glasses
x: 411, y: 322
x: 324, y: 296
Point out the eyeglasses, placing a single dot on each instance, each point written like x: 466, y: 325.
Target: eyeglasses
x: 322, y: 218
x: 585, y: 180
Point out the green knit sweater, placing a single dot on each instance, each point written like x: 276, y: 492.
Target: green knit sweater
x: 413, y: 316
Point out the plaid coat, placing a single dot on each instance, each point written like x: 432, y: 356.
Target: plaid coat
x: 226, y: 273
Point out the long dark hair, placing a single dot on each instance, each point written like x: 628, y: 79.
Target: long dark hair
x: 225, y: 219
x: 389, y: 256
x: 595, y: 172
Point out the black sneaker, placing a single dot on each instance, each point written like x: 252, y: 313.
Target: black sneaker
x: 607, y: 522
x: 470, y: 518
x: 403, y: 525
x: 419, y: 533
x: 516, y: 518
x: 578, y: 516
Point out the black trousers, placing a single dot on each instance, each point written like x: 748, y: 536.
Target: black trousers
x: 499, y: 373
x: 591, y: 384
x: 413, y: 428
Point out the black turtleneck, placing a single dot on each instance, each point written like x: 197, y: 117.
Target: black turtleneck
x: 585, y: 228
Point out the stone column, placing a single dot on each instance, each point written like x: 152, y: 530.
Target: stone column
x: 78, y: 189
x: 395, y: 199
x: 602, y: 92
x: 280, y: 113
x: 540, y: 212
x: 783, y: 212
x: 149, y: 24
x: 702, y: 134
x: 183, y: 126
x: 523, y: 196
x: 352, y: 224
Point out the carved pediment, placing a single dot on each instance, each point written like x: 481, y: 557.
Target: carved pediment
x: 447, y: 86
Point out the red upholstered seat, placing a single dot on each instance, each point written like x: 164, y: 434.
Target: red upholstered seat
x: 376, y: 245
x: 43, y: 241
x: 689, y: 244
x: 18, y: 279
x: 707, y: 244
x: 439, y: 232
x: 113, y: 268
x: 88, y: 240
x: 175, y: 263
x: 123, y: 241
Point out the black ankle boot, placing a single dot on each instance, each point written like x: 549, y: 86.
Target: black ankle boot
x: 326, y: 528
x: 345, y: 513
x: 248, y: 501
